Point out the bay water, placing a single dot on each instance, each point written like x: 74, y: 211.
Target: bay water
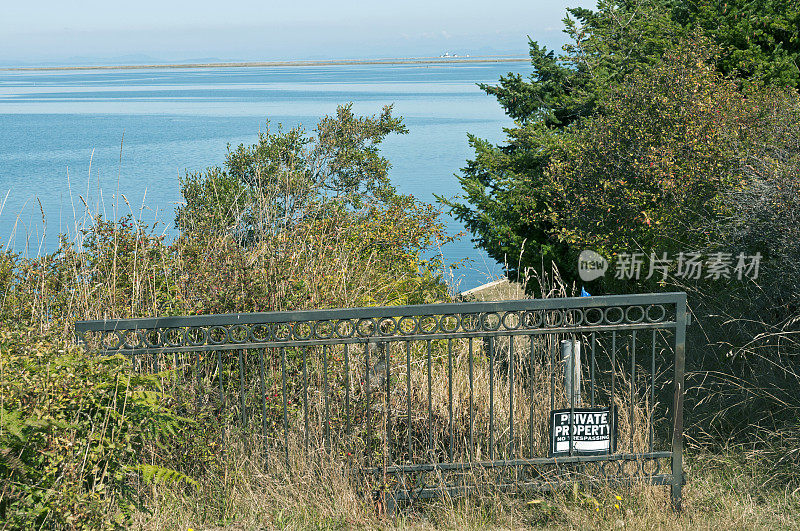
x: 77, y: 143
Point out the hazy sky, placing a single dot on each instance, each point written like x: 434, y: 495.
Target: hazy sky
x: 58, y: 30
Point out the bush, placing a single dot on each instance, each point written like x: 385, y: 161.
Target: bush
x: 75, y: 431
x: 297, y: 221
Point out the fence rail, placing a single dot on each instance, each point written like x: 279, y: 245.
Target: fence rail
x: 442, y: 398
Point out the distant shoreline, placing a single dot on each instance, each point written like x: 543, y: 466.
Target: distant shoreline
x: 247, y: 64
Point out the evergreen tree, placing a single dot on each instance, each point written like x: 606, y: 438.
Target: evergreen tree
x: 507, y: 207
x: 509, y: 203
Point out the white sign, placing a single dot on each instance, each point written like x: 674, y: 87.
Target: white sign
x: 592, y: 432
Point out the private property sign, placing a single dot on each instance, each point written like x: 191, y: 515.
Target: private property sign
x: 592, y: 431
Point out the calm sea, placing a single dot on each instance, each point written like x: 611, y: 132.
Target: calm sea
x: 116, y: 141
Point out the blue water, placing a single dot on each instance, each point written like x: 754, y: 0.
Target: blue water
x: 115, y: 142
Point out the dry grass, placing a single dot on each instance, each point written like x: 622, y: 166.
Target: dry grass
x: 722, y: 493
x: 723, y: 490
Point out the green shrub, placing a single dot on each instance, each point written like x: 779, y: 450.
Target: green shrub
x: 74, y: 433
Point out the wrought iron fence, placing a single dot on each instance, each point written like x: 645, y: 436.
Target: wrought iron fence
x: 421, y: 401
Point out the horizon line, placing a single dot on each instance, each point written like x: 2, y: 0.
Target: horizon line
x: 319, y: 62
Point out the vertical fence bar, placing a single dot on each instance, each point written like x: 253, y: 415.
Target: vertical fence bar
x: 573, y: 383
x: 219, y: 375
x: 388, y: 363
x: 242, y: 388
x: 450, y: 396
x: 530, y: 399
x: 285, y: 415
x: 326, y: 428
x: 677, y: 431
x: 408, y: 396
x: 594, y: 342
x: 305, y: 399
x: 613, y: 408
x: 511, y: 396
x: 471, y: 410
x: 551, y: 342
x: 221, y: 388
x: 347, y: 387
x: 491, y: 398
x: 367, y: 408
x: 263, y: 403
x: 430, y: 402
x: 197, y: 388
x: 633, y: 380
x: 652, y: 390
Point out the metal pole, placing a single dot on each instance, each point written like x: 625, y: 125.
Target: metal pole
x: 571, y: 362
x: 263, y: 404
x: 677, y: 431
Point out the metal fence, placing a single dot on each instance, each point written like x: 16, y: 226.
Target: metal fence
x: 420, y: 401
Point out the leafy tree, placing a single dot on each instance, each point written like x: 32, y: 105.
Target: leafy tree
x: 308, y: 220
x: 680, y: 159
x: 645, y: 173
x: 508, y: 203
x: 507, y: 207
x: 265, y: 187
x: 763, y: 215
x: 758, y: 40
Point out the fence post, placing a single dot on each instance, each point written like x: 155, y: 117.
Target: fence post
x: 677, y: 431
